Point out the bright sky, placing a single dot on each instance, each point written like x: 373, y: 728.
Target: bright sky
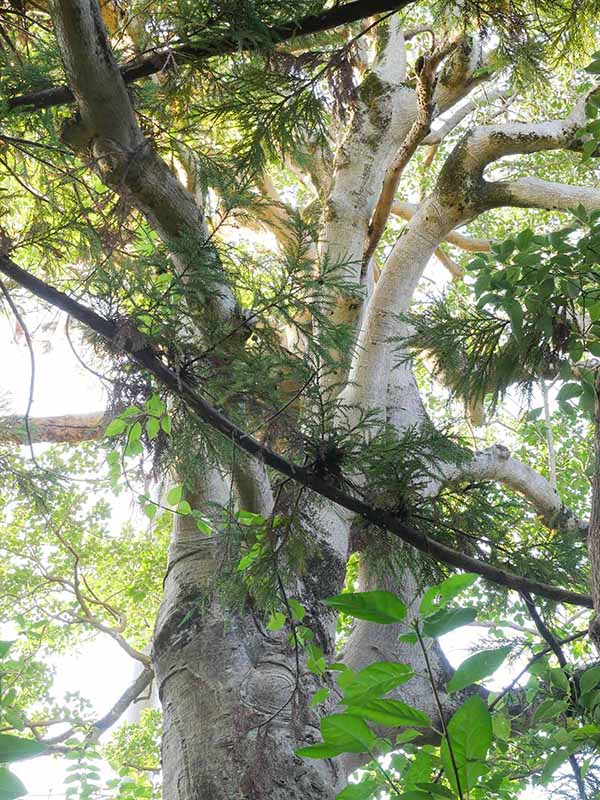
x: 100, y: 670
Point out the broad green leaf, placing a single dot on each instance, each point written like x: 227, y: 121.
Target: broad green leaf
x: 5, y: 647
x: 135, y: 432
x: 448, y: 619
x: 569, y: 390
x: 359, y: 791
x: 249, y: 518
x: 477, y: 667
x: 549, y: 709
x: 152, y: 427
x: 553, y: 762
x: 297, y: 609
x: 319, y: 696
x: 559, y: 679
x: 501, y: 726
x: 14, y: 748
x: 175, y: 494
x: 470, y: 732
x: 442, y: 593
x: 10, y: 785
x: 391, y: 712
x: 376, y: 680
x: 276, y: 622
x: 184, y: 508
x: 590, y: 679
x: 435, y: 790
x: 165, y: 424
x: 319, y: 751
x: 382, y: 607
x: 345, y: 731
x: 115, y: 427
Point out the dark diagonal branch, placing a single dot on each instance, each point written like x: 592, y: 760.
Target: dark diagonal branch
x: 150, y: 359
x: 223, y: 44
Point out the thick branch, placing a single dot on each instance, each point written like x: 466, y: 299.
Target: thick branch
x: 71, y: 428
x: 468, y: 243
x: 496, y: 464
x: 149, y: 359
x: 537, y: 193
x: 125, y: 159
x: 222, y: 44
x: 426, y: 80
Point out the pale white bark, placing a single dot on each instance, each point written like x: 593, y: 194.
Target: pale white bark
x: 461, y: 113
x: 538, y: 193
x: 496, y: 464
x: 464, y: 242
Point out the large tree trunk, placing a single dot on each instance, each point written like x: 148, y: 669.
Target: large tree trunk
x: 235, y: 705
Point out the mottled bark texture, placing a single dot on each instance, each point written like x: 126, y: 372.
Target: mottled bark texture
x: 236, y: 696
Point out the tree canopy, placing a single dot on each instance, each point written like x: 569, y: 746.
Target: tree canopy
x: 334, y: 271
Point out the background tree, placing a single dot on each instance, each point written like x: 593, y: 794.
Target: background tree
x: 241, y: 242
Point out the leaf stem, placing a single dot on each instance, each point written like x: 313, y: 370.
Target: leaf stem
x: 439, y: 708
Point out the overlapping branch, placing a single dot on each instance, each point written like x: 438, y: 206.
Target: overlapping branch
x: 152, y: 361
x: 222, y: 44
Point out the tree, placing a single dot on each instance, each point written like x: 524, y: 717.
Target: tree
x: 226, y: 240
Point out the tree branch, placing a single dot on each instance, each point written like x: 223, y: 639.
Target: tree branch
x: 125, y: 159
x: 70, y: 428
x: 151, y: 360
x: 132, y: 692
x: 496, y: 464
x: 426, y: 81
x: 222, y: 44
x: 468, y: 243
x: 537, y: 193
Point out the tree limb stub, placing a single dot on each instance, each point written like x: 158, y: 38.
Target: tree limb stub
x: 157, y: 62
x: 382, y: 518
x: 70, y: 428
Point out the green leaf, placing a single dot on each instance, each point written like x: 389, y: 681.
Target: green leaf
x: 391, y: 712
x: 152, y: 427
x: 297, y: 609
x: 165, y: 424
x: 436, y: 789
x: 358, y: 791
x: 175, y: 494
x: 442, y: 593
x: 376, y: 680
x: 383, y: 607
x: 5, y: 647
x: 569, y: 390
x: 135, y: 432
x: 501, y: 726
x: 10, y: 785
x: 448, y: 619
x: 470, y: 732
x: 347, y: 732
x: 203, y: 525
x: 276, y: 622
x: 590, y: 679
x: 116, y: 427
x: 155, y: 406
x: 319, y: 696
x: 477, y: 667
x: 249, y: 518
x: 559, y: 679
x: 553, y: 762
x: 14, y: 748
x: 319, y: 751
x: 549, y: 709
